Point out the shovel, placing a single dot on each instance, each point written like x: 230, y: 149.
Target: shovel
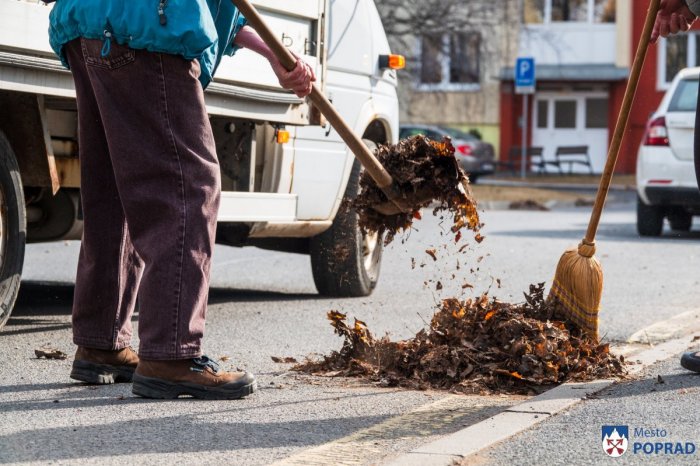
x: 398, y: 201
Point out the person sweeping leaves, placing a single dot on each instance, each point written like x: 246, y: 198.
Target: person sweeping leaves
x: 150, y: 185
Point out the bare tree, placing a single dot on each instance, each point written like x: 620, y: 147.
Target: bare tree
x: 410, y: 23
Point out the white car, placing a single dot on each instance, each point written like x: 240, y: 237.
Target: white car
x: 666, y: 182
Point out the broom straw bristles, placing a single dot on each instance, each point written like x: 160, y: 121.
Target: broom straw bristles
x: 578, y: 288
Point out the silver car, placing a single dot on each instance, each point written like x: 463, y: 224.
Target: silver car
x: 475, y: 156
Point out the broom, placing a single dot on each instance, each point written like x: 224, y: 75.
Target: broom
x: 578, y: 282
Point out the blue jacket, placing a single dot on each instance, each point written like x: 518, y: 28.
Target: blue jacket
x: 196, y: 29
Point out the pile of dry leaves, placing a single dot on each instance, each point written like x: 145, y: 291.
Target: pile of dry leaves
x: 473, y: 346
x: 426, y: 173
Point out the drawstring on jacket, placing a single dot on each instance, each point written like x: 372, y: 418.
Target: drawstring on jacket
x: 107, y: 43
x: 161, y: 12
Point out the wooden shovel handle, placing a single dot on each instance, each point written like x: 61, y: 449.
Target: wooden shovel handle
x: 622, y: 120
x: 363, y: 154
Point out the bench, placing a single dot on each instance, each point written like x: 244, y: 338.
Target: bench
x: 513, y: 161
x: 572, y: 155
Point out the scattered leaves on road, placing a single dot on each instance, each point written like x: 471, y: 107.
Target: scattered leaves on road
x: 477, y: 345
x: 49, y: 353
x: 527, y: 204
x: 287, y: 360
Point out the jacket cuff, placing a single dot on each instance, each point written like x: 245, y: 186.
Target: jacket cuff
x: 694, y: 6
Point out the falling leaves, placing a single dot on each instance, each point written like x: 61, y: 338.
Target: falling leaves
x: 425, y: 172
x: 475, y: 345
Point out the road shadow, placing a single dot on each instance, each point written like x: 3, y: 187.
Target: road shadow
x: 188, y: 426
x: 40, y: 303
x: 682, y: 382
x: 610, y: 232
x: 234, y: 295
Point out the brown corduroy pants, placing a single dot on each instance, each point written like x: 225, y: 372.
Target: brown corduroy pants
x: 150, y: 189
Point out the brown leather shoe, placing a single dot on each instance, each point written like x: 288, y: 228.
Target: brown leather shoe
x: 104, y: 366
x: 199, y: 377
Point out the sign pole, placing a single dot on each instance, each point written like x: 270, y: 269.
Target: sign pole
x: 524, y: 85
x: 523, y: 147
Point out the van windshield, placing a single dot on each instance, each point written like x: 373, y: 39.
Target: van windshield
x: 685, y: 99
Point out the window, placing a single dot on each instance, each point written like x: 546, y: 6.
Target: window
x: 685, y: 99
x: 558, y: 11
x: 565, y: 114
x: 675, y: 53
x: 570, y: 10
x: 464, y: 58
x: 450, y: 62
x: 604, y: 11
x: 597, y: 113
x: 542, y: 113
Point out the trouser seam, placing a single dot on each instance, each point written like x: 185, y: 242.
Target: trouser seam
x: 183, y: 225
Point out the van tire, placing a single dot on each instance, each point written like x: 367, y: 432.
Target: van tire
x: 346, y: 262
x: 680, y: 219
x: 650, y: 219
x: 13, y: 229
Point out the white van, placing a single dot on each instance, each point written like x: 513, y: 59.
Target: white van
x: 284, y: 170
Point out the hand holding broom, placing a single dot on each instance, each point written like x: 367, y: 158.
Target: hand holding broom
x: 578, y: 282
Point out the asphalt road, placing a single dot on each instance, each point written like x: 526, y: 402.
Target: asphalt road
x: 264, y: 304
x: 664, y: 400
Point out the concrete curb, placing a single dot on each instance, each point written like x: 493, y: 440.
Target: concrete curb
x: 485, y: 434
x: 555, y: 186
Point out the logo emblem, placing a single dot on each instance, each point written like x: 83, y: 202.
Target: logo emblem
x: 615, y: 440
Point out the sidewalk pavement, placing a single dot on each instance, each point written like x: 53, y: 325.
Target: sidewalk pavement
x: 560, y: 182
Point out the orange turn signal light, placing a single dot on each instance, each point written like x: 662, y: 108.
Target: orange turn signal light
x: 282, y: 136
x: 394, y: 62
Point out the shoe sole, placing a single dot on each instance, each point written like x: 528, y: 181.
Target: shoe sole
x: 148, y: 387
x: 690, y: 362
x: 101, y: 374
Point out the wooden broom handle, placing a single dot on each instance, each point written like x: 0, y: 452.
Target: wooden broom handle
x: 363, y: 154
x: 621, y: 124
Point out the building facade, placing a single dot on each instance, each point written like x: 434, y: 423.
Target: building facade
x: 454, y: 61
x: 583, y: 51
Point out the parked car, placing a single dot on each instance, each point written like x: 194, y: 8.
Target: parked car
x: 666, y: 182
x: 475, y: 156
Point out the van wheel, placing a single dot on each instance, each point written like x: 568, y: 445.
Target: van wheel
x: 13, y: 229
x: 680, y: 220
x: 650, y: 219
x: 345, y: 262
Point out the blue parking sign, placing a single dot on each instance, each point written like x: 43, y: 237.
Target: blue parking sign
x: 525, y: 75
